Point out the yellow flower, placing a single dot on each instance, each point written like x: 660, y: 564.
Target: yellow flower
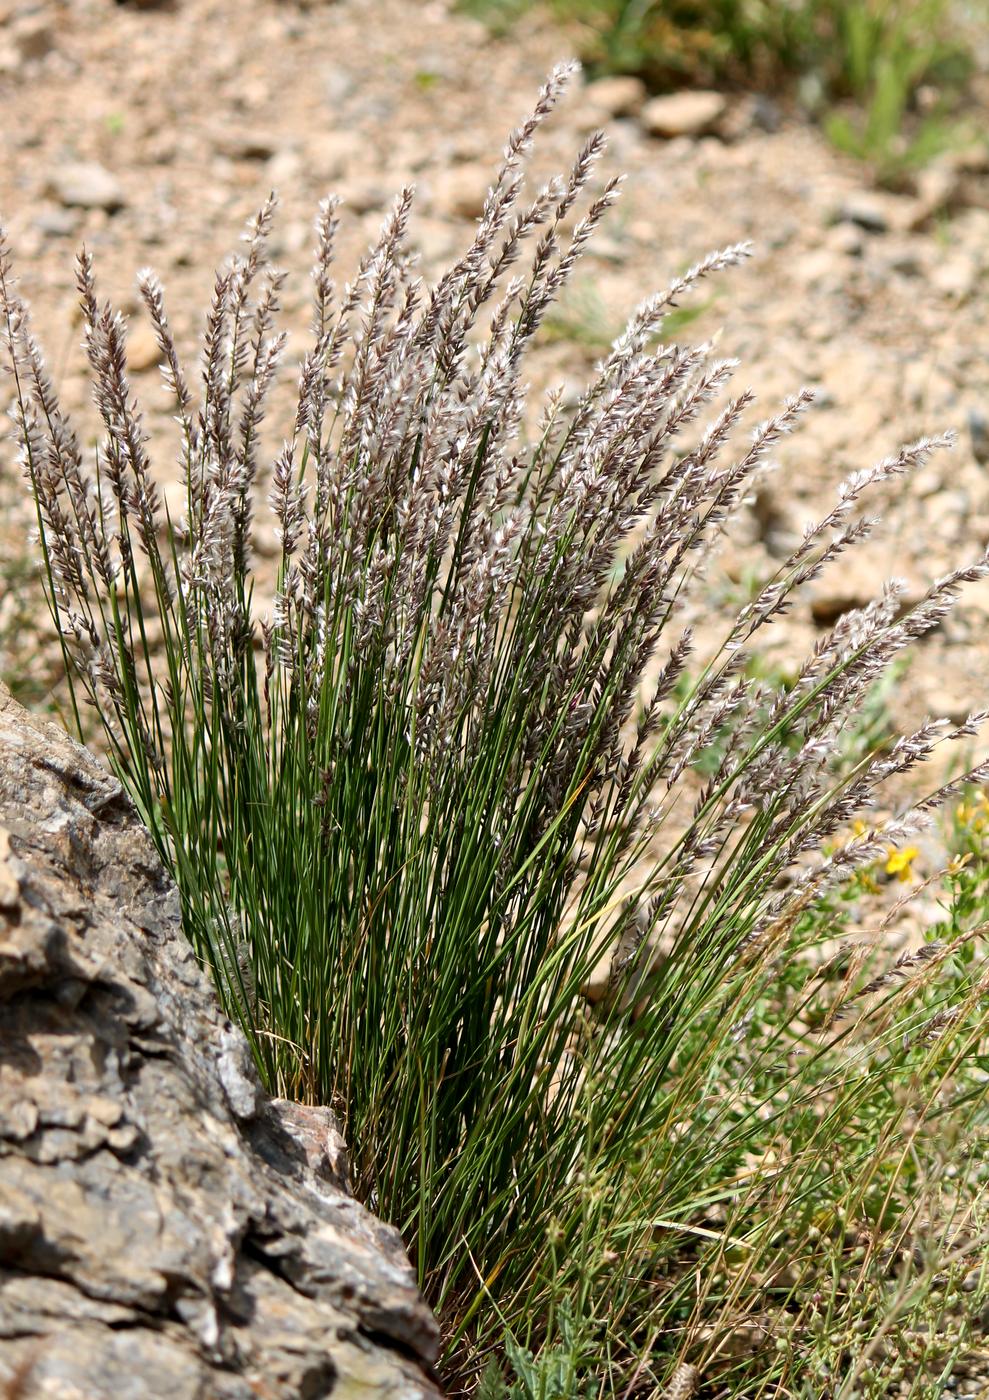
x: 973, y: 814
x: 900, y: 863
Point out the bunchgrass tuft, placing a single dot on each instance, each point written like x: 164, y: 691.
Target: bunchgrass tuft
x: 475, y: 766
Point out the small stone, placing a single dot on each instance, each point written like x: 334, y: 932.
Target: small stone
x: 86, y: 185
x: 267, y: 544
x: 435, y: 240
x: 143, y: 352
x: 365, y: 194
x: 971, y: 160
x: 283, y: 167
x: 956, y: 277
x: 33, y: 38
x: 938, y: 190
x: 460, y: 192
x: 942, y: 702
x: 866, y: 210
x: 247, y: 145
x: 978, y: 428
x: 836, y: 595
x: 297, y: 236
x: 817, y: 267
x: 847, y: 239
x: 683, y: 113
x: 10, y: 887
x: 329, y: 154
x: 754, y: 112
x: 55, y: 222
x: 617, y: 96
x: 904, y: 258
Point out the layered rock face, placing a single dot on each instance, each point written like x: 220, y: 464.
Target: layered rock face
x: 166, y: 1231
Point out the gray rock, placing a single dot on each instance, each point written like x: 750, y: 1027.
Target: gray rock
x: 365, y: 193
x: 956, y: 276
x: 683, y: 113
x: 166, y: 1230
x: 54, y: 221
x: 142, y: 350
x: 978, y: 427
x: 86, y: 185
x: 877, y: 212
x: 33, y: 37
x: 938, y: 191
x: 239, y: 144
x: 460, y: 191
x: 866, y: 211
x: 618, y: 96
x: 329, y: 153
x: 845, y: 238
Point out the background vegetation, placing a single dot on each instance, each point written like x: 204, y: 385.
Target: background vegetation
x: 886, y: 77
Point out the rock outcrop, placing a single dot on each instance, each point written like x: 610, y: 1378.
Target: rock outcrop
x: 166, y: 1230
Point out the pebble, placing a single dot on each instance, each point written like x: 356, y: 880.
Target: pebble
x: 978, y: 430
x: 365, y: 194
x: 866, y: 210
x: 32, y: 37
x: 283, y: 167
x: 904, y: 258
x: 615, y: 97
x: 86, y: 185
x: 329, y: 154
x: 54, y: 221
x: 142, y: 349
x: 956, y: 277
x: 944, y: 703
x: 434, y: 238
x: 851, y: 584
x: 938, y: 189
x: 816, y: 268
x: 683, y: 113
x: 247, y: 145
x: 847, y: 239
x: 459, y: 192
x: 751, y: 113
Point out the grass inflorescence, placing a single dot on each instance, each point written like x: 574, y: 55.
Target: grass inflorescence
x: 474, y: 754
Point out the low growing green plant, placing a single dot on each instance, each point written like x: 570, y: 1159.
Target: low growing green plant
x: 888, y: 53
x: 414, y: 811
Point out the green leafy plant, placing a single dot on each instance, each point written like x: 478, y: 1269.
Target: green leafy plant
x: 457, y: 770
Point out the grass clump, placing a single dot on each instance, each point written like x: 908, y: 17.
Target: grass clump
x: 476, y: 754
